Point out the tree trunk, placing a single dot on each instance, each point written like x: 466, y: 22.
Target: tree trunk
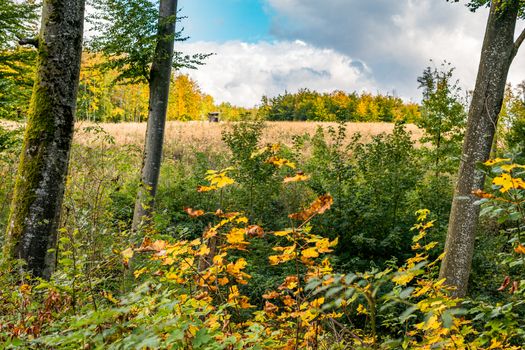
x: 159, y: 86
x: 497, y: 54
x: 39, y: 188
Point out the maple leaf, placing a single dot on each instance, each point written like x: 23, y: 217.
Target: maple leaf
x: 290, y: 282
x: 206, y: 188
x: 520, y: 249
x: 507, y: 182
x: 310, y: 253
x: 270, y: 308
x: 255, y: 231
x: 319, y: 206
x: 194, y: 213
x: 271, y: 295
x: 236, y: 238
x: 280, y: 162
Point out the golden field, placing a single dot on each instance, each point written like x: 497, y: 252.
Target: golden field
x: 205, y: 136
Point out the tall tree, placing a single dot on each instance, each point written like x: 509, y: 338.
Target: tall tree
x: 39, y: 189
x: 137, y: 39
x: 442, y: 117
x: 159, y: 89
x: 498, y: 51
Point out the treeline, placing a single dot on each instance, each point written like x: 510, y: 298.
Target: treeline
x: 337, y: 106
x: 103, y: 98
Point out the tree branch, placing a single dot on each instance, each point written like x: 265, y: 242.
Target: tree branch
x: 29, y: 41
x: 518, y: 43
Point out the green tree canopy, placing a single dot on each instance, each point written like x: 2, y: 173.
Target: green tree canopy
x: 126, y: 34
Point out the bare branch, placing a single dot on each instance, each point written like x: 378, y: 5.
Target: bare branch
x: 518, y: 43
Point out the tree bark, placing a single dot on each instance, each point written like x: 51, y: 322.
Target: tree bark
x: 39, y: 188
x: 159, y: 85
x: 497, y: 54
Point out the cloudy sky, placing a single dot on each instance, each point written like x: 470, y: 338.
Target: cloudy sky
x: 264, y: 47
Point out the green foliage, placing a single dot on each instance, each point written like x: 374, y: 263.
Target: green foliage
x: 336, y: 106
x: 17, y: 21
x: 443, y: 117
x: 373, y: 188
x: 127, y: 37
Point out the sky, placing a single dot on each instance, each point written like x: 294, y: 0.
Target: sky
x: 267, y: 47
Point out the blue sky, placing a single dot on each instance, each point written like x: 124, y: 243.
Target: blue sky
x: 225, y: 20
x: 266, y: 47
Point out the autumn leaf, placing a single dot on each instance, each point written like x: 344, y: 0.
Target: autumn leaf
x: 290, y: 282
x: 482, y: 194
x: 310, y: 253
x: 236, y: 238
x: 319, y: 206
x: 507, y: 182
x: 194, y: 213
x: 280, y: 162
x: 270, y: 308
x: 149, y: 246
x: 520, y: 249
x: 494, y: 161
x: 300, y: 176
x: 223, y: 281
x: 126, y: 255
x: 255, y: 231
x: 504, y: 284
x: 206, y: 188
x: 271, y: 295
x: 282, y: 233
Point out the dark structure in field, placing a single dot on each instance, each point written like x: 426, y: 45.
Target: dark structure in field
x: 213, y: 117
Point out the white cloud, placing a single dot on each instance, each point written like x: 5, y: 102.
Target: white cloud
x: 395, y: 38
x: 242, y: 73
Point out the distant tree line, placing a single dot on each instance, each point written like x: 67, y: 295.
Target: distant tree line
x: 337, y: 106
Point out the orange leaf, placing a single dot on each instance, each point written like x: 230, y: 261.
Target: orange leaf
x: 520, y: 249
x: 206, y: 188
x: 319, y: 206
x: 194, y: 213
x: 300, y: 176
x: 255, y: 231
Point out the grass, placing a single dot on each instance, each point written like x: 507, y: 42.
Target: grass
x: 205, y: 136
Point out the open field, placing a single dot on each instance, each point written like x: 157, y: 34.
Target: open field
x: 204, y: 135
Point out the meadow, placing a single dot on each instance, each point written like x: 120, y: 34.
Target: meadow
x: 362, y: 204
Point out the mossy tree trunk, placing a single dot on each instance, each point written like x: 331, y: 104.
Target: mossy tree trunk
x: 159, y: 86
x: 498, y: 51
x: 39, y: 188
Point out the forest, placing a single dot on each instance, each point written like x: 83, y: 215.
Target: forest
x: 312, y: 220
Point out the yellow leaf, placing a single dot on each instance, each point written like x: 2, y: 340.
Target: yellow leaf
x: 491, y: 162
x: 317, y: 303
x: 203, y: 250
x: 310, y: 253
x: 300, y: 176
x: 507, y: 182
x: 206, y: 188
x: 127, y: 255
x: 361, y: 310
x: 280, y: 162
x: 282, y: 233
